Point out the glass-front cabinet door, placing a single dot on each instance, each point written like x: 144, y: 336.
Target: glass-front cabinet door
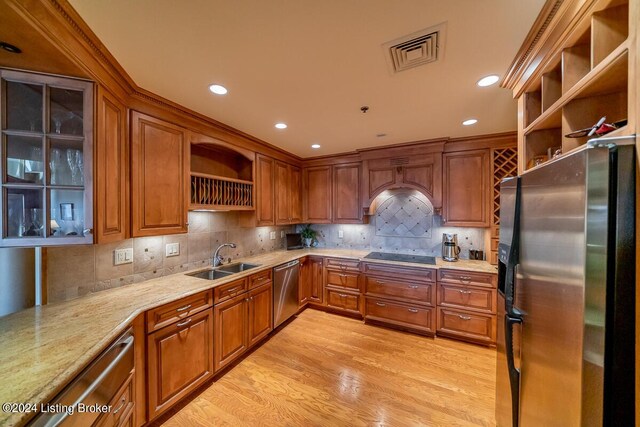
x: 47, y: 158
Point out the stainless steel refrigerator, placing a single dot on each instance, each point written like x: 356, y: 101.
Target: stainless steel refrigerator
x: 566, y: 350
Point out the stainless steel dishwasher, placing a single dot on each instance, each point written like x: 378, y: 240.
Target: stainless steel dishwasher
x: 96, y: 385
x: 285, y: 291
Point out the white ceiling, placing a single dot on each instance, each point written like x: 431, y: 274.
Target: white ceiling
x: 312, y: 64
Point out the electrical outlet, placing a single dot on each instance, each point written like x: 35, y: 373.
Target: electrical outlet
x: 123, y: 256
x: 282, y: 234
x: 172, y: 249
x: 340, y: 234
x: 272, y: 235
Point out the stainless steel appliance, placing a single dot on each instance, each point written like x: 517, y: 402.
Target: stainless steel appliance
x: 294, y: 241
x: 285, y: 291
x: 570, y: 292
x: 96, y: 385
x: 450, y: 248
x: 418, y: 259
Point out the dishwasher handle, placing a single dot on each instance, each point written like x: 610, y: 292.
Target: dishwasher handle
x: 287, y: 265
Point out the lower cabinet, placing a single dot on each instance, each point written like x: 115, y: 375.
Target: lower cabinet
x: 241, y: 322
x: 179, y: 359
x: 467, y: 303
x: 311, y: 283
x: 401, y: 297
x: 121, y: 407
x: 344, y: 300
x: 342, y: 286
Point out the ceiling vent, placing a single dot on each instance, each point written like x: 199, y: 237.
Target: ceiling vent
x: 413, y: 50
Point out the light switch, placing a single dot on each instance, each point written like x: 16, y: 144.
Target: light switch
x: 340, y: 234
x: 282, y: 234
x: 123, y: 256
x: 272, y: 235
x: 172, y: 249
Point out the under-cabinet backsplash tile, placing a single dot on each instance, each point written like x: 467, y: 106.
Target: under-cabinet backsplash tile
x: 74, y: 271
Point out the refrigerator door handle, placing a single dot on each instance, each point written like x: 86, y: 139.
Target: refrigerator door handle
x: 514, y: 373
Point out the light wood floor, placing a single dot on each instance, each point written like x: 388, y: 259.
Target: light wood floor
x: 328, y: 370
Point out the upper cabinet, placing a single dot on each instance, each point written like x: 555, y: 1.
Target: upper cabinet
x: 47, y: 160
x: 346, y: 194
x: 221, y: 175
x: 112, y: 169
x: 265, y: 187
x: 467, y: 188
x: 288, y: 201
x: 159, y: 176
x: 317, y: 194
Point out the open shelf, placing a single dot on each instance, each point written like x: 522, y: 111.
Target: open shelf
x: 221, y: 177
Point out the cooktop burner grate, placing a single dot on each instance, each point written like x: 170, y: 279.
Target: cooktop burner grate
x: 419, y: 259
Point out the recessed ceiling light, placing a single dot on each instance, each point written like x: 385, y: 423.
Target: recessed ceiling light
x: 9, y: 47
x: 218, y: 89
x: 315, y: 145
x: 381, y: 135
x: 281, y: 125
x: 488, y: 81
x: 470, y: 122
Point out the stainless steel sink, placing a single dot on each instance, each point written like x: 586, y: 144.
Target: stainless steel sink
x: 210, y: 274
x: 238, y: 267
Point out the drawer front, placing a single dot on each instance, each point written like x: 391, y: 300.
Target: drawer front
x: 495, y: 231
x: 342, y: 264
x: 165, y: 315
x: 228, y: 291
x: 465, y: 277
x: 120, y: 406
x: 343, y: 300
x: 407, y: 273
x: 494, y: 244
x: 468, y: 325
x: 260, y: 279
x: 343, y: 279
x: 421, y: 293
x: 399, y: 314
x: 493, y: 258
x: 466, y: 297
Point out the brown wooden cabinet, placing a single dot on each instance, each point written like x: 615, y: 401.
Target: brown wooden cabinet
x: 401, y: 297
x: 230, y: 334
x: 467, y: 302
x: 288, y: 202
x: 346, y: 194
x: 342, y: 285
x: 180, y: 358
x: 265, y: 190
x: 159, y: 177
x: 242, y: 318
x: 467, y: 189
x: 112, y: 169
x: 310, y: 288
x: 317, y: 194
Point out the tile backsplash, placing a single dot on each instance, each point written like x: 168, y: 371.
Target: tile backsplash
x: 78, y: 270
x: 364, y: 237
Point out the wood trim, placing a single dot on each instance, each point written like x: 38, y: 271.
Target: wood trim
x: 494, y: 140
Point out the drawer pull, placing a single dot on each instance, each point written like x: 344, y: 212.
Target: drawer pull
x: 380, y: 282
x: 464, y: 292
x: 260, y: 279
x: 186, y: 307
x: 412, y: 310
x: 123, y: 402
x: 234, y: 290
x: 464, y: 317
x: 343, y: 295
x: 186, y: 322
x: 413, y: 286
x: 379, y: 304
x: 343, y: 275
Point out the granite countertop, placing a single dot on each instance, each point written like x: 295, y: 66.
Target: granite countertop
x: 43, y: 348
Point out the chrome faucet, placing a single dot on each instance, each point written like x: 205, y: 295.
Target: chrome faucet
x: 217, y: 259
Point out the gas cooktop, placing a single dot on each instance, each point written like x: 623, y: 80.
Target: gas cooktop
x: 402, y: 258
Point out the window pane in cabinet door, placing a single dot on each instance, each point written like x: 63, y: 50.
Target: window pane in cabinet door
x: 24, y: 107
x: 23, y: 210
x: 67, y: 213
x: 66, y: 162
x: 25, y: 160
x: 65, y: 110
